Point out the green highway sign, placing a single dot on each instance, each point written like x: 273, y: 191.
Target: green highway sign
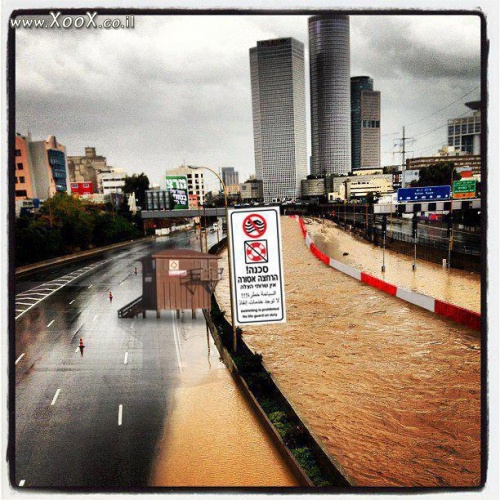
x: 464, y: 189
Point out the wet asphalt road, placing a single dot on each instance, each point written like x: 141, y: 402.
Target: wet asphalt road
x: 93, y: 421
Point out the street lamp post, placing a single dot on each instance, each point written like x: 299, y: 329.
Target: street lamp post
x: 235, y: 338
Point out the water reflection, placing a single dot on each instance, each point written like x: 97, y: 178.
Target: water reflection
x: 212, y: 437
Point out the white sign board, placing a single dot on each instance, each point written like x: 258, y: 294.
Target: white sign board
x: 258, y: 287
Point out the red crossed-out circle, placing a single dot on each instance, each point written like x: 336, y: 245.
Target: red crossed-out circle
x: 254, y: 226
x: 256, y: 251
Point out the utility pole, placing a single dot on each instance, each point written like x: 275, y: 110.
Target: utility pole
x: 402, y: 144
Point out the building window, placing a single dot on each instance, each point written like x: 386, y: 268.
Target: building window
x: 20, y: 166
x: 21, y: 180
x: 18, y: 152
x: 21, y: 192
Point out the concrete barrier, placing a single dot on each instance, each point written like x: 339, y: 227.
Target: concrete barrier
x: 450, y: 311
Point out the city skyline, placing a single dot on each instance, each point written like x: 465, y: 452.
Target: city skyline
x: 197, y: 107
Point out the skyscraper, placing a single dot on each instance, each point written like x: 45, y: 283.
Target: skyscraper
x: 365, y: 123
x: 329, y: 60
x: 230, y: 177
x: 279, y: 116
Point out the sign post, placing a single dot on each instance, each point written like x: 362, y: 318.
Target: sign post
x: 257, y: 287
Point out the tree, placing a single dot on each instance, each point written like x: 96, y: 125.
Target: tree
x: 137, y: 184
x: 438, y: 174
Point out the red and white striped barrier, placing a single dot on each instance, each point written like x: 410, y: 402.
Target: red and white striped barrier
x: 450, y: 311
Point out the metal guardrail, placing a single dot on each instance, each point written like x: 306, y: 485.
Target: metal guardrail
x: 131, y: 309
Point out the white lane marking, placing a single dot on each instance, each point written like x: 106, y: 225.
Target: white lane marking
x: 125, y: 360
x: 72, y: 302
x: 121, y: 283
x: 48, y: 326
x: 94, y: 318
x: 24, y: 304
x: 57, y: 283
x: 90, y: 286
x: 19, y: 358
x: 55, y: 397
x: 120, y: 414
x: 22, y: 482
x: 176, y: 340
x: 19, y: 310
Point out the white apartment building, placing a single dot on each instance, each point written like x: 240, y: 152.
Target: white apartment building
x: 195, y: 180
x: 111, y: 182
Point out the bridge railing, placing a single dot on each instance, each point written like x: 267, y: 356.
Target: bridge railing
x: 131, y: 309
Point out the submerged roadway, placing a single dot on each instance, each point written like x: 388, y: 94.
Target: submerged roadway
x: 92, y: 420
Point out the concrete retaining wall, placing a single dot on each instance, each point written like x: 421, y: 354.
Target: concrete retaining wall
x: 450, y: 311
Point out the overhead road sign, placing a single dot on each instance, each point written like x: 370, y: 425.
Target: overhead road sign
x: 257, y: 287
x: 425, y: 193
x: 464, y: 188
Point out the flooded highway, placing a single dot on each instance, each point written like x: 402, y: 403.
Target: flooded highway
x: 392, y: 390
x: 213, y: 438
x: 97, y: 419
x: 461, y: 288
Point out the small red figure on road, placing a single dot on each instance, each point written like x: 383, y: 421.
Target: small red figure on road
x: 81, y: 346
x: 110, y: 297
x: 135, y: 270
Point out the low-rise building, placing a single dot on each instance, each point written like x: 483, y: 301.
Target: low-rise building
x: 195, y: 180
x: 313, y: 187
x: 48, y: 167
x: 252, y: 190
x: 24, y: 185
x: 81, y: 188
x: 87, y: 168
x: 111, y: 182
x: 360, y: 186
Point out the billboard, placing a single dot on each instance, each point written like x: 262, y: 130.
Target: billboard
x: 178, y: 187
x: 425, y: 193
x: 257, y: 287
x: 464, y: 189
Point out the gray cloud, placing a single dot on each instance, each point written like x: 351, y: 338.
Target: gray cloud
x: 178, y: 88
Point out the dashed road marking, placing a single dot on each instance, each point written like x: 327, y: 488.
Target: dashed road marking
x: 22, y: 482
x: 48, y: 326
x: 55, y: 397
x: 19, y: 358
x: 43, y: 291
x: 94, y: 318
x: 120, y: 414
x: 125, y: 359
x: 72, y: 302
x: 90, y: 286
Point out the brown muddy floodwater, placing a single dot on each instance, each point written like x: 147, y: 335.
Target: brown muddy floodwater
x: 212, y: 437
x: 461, y: 288
x: 392, y: 390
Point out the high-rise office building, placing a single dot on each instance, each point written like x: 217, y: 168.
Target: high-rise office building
x: 329, y: 62
x: 230, y: 177
x: 365, y: 123
x: 279, y: 116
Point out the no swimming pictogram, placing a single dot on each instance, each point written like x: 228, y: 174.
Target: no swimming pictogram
x: 254, y: 226
x: 256, y: 251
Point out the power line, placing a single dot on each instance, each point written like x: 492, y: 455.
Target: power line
x: 435, y: 112
x: 447, y: 106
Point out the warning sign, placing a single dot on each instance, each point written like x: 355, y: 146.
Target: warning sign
x: 255, y: 251
x: 257, y: 286
x: 254, y: 226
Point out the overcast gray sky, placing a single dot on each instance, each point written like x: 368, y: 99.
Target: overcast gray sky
x: 177, y: 88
